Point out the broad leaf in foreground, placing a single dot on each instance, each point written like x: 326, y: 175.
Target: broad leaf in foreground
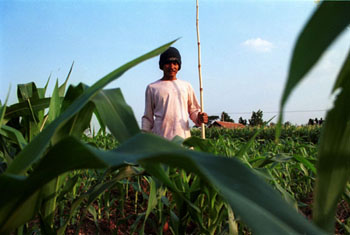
x: 334, y: 155
x: 116, y: 114
x: 328, y: 21
x: 37, y: 147
x: 259, y: 206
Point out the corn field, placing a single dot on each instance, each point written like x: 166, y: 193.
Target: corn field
x: 56, y: 179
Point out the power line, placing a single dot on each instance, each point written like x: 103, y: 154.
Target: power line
x: 290, y: 111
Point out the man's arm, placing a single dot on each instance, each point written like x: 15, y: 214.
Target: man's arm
x: 202, y: 118
x: 194, y: 109
x: 147, y: 118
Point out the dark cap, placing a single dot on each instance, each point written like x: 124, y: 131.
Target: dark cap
x: 170, y: 55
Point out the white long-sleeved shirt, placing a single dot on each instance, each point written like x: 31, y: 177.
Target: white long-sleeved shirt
x: 168, y: 106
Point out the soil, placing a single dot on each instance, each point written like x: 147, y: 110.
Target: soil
x: 343, y: 213
x: 121, y: 222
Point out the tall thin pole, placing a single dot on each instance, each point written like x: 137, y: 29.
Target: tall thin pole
x: 199, y: 69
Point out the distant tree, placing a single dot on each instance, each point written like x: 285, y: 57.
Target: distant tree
x: 242, y: 121
x: 211, y: 119
x: 311, y: 122
x: 315, y: 121
x: 287, y: 123
x: 320, y: 121
x: 256, y: 118
x: 226, y: 118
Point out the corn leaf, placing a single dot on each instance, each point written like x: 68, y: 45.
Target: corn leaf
x: 27, y: 91
x: 13, y: 134
x: 62, y: 88
x: 152, y: 202
x: 37, y: 147
x: 22, y: 109
x: 334, y: 155
x: 116, y: 114
x: 55, y: 104
x: 3, y: 109
x: 250, y: 197
x: 77, y: 124
x: 327, y: 22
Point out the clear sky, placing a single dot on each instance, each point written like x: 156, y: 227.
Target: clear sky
x: 246, y: 47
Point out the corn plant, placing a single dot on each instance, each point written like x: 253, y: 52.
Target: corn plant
x: 334, y: 148
x: 56, y: 150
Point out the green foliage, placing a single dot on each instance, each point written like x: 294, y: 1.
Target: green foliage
x: 47, y: 166
x: 242, y: 121
x: 296, y: 133
x: 226, y: 118
x: 211, y: 119
x: 334, y: 151
x: 256, y: 118
x: 67, y: 154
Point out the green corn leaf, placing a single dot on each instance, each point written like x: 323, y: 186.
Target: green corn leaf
x: 158, y: 171
x: 334, y: 155
x: 73, y: 208
x: 305, y: 162
x: 13, y: 134
x: 152, y: 202
x: 100, y: 121
x: 334, y: 151
x: 327, y: 22
x: 45, y: 228
x: 72, y: 94
x: 37, y: 147
x: 46, y: 85
x: 77, y: 124
x: 199, y: 144
x: 116, y: 114
x: 55, y: 104
x: 62, y: 88
x: 313, y: 41
x: 48, y: 207
x: 42, y: 91
x: 29, y: 94
x: 3, y: 108
x: 259, y: 206
x: 343, y: 77
x: 25, y: 210
x: 95, y: 192
x: 27, y: 91
x: 68, y: 186
x: 22, y: 109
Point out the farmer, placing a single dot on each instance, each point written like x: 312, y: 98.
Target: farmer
x: 170, y: 101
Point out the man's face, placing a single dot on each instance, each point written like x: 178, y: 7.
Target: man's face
x: 170, y: 69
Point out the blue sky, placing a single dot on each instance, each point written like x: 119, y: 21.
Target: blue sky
x: 246, y: 47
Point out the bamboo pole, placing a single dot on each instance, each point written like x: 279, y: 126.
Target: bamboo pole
x: 199, y: 69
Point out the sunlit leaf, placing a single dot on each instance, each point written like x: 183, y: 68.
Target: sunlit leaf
x: 37, y: 147
x: 250, y: 197
x: 333, y: 166
x: 116, y: 114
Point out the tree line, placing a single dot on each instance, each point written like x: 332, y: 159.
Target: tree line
x: 256, y: 119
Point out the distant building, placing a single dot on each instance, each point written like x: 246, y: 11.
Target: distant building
x: 228, y: 125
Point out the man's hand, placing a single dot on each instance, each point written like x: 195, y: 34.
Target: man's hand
x: 202, y: 118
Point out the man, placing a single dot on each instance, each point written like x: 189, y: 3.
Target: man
x: 170, y: 101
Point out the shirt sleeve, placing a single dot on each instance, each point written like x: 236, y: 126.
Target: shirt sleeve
x: 193, y: 106
x: 147, y: 118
